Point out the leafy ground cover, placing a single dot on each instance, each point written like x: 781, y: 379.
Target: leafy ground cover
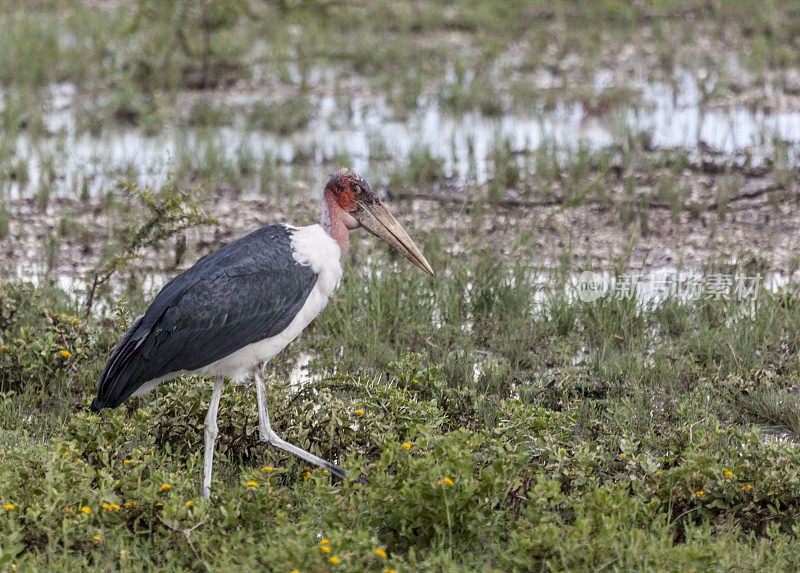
x: 504, y: 424
x: 551, y: 435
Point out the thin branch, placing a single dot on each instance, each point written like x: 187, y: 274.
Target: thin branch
x: 184, y: 531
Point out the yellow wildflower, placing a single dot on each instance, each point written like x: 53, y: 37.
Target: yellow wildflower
x: 294, y: 571
x: 325, y: 541
x: 165, y: 487
x: 86, y: 510
x: 387, y: 570
x: 189, y: 503
x: 334, y: 560
x: 114, y: 507
x: 448, y: 481
x: 359, y: 412
x: 415, y: 381
x: 74, y: 320
x: 700, y: 493
x: 727, y: 473
x: 267, y: 469
x: 123, y: 552
x: 65, y: 353
x: 306, y: 474
x: 406, y: 446
x: 69, y: 510
x: 96, y: 538
x: 252, y: 484
x: 8, y: 506
x: 747, y: 487
x: 622, y: 455
x: 4, y: 347
x: 130, y: 504
x: 127, y: 462
x: 380, y: 553
x: 325, y: 549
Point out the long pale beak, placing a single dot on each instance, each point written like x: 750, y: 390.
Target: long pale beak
x: 377, y: 219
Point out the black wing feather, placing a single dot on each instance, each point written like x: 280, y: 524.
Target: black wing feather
x: 240, y: 294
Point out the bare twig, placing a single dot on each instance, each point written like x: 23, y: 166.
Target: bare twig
x: 185, y: 531
x: 166, y: 215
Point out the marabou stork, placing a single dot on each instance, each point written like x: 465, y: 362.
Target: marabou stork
x: 239, y: 306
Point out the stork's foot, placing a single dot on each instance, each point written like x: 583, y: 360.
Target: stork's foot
x: 267, y: 434
x: 340, y: 472
x: 273, y: 439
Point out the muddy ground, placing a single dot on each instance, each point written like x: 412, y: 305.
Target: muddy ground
x: 718, y: 208
x: 757, y: 227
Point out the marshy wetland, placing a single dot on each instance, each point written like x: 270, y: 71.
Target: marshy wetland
x: 506, y: 421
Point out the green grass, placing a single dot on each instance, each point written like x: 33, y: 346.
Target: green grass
x: 601, y: 434
x: 506, y: 426
x: 147, y: 53
x: 422, y: 168
x: 281, y: 117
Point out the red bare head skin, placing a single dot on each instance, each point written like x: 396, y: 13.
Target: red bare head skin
x: 342, y: 191
x: 349, y: 203
x: 347, y: 187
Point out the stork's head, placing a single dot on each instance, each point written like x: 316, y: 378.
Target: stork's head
x: 357, y: 206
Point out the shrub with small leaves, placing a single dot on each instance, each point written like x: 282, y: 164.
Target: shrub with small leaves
x: 37, y: 345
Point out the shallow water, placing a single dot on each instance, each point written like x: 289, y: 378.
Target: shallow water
x: 778, y: 435
x: 367, y: 131
x: 300, y: 374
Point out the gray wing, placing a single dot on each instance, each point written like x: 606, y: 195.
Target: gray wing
x: 240, y: 294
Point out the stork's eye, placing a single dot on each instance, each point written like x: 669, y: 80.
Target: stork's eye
x: 357, y: 189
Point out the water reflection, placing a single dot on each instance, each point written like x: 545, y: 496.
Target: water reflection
x: 367, y: 132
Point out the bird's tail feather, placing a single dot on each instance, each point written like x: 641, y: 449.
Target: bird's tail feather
x: 116, y: 375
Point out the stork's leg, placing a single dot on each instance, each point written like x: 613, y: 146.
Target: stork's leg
x: 211, y: 431
x: 268, y: 435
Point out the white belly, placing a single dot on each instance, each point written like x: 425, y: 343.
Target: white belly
x: 312, y: 247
